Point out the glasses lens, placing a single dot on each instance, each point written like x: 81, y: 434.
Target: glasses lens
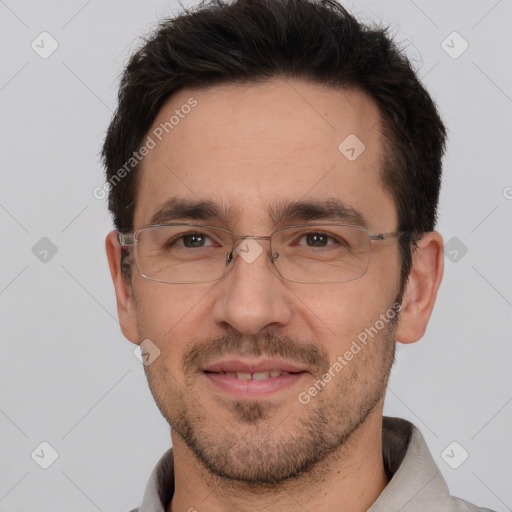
x: 182, y: 253
x: 322, y: 253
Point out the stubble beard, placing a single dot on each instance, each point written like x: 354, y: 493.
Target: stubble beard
x: 252, y: 449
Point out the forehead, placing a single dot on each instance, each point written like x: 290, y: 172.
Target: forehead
x: 251, y: 147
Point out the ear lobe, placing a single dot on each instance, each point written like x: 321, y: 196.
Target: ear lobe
x: 124, y: 293
x: 421, y: 290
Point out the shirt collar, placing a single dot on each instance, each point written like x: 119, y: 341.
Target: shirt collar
x: 414, y: 476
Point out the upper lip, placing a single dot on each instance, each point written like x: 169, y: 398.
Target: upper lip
x: 264, y: 365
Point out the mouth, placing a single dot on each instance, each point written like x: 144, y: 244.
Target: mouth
x: 253, y: 379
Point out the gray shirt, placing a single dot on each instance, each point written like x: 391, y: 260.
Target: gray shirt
x: 416, y: 484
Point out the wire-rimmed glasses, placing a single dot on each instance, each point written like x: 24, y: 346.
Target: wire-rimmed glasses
x: 305, y: 253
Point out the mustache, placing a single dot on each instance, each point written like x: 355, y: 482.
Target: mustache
x: 268, y: 344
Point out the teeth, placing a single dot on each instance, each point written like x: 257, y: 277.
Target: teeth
x: 257, y: 375
x: 260, y: 375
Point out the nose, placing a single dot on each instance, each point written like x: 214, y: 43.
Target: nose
x: 252, y: 296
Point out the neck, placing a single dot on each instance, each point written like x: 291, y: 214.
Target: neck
x: 351, y: 478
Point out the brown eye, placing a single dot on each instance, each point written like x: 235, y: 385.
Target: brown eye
x: 317, y: 239
x: 194, y: 240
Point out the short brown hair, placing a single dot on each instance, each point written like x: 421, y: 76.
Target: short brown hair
x: 249, y: 41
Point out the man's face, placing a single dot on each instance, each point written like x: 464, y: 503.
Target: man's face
x: 252, y: 150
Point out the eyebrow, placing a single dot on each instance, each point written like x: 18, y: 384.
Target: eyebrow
x: 331, y: 209
x: 180, y: 209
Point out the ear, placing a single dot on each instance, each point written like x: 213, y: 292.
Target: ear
x: 124, y: 295
x: 421, y: 290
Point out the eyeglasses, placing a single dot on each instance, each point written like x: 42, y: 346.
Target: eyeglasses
x: 305, y: 253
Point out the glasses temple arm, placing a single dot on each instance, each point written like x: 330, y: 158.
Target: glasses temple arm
x: 385, y: 236
x: 126, y: 238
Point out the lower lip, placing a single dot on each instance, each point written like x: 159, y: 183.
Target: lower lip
x: 253, y: 388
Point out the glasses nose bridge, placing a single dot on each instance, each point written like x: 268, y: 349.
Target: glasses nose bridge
x: 252, y: 236
x: 238, y: 240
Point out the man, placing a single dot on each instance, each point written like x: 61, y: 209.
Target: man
x: 274, y: 170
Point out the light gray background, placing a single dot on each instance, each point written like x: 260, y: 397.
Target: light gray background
x: 67, y: 375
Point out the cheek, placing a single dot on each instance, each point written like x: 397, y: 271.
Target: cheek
x: 162, y: 307
x: 175, y: 318
x: 171, y: 316
x: 336, y: 314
